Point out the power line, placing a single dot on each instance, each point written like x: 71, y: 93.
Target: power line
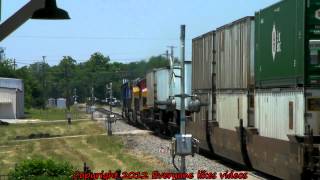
x: 22, y: 63
x: 124, y: 61
x: 96, y: 37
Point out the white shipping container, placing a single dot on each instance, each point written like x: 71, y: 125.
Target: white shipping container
x: 188, y: 78
x: 176, y: 84
x: 162, y: 79
x: 230, y: 108
x: 150, y: 87
x: 61, y: 103
x: 169, y: 85
x: 278, y: 114
x: 234, y: 54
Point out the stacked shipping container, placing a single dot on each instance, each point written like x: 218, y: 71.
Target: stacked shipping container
x: 266, y: 72
x: 151, y: 89
x: 231, y: 107
x: 280, y: 113
x: 202, y: 59
x: 176, y: 84
x: 234, y: 58
x: 234, y: 54
x: 287, y: 57
x: 161, y: 85
x: 280, y: 45
x: 203, y: 81
x: 162, y: 79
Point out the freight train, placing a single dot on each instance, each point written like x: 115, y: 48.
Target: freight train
x: 151, y: 101
x: 259, y: 78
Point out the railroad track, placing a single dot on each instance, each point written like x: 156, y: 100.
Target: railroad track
x: 108, y: 112
x: 119, y: 117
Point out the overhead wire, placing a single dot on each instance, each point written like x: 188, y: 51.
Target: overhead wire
x: 96, y: 37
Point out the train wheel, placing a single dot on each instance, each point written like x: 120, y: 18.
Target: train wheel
x: 123, y: 113
x: 153, y: 120
x: 130, y: 118
x: 134, y: 118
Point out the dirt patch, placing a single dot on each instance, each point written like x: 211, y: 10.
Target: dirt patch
x: 36, y: 136
x: 3, y: 123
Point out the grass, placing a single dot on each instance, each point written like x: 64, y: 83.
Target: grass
x: 9, y: 133
x: 53, y: 114
x: 100, y: 152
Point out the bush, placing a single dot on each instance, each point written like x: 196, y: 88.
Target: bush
x: 42, y: 169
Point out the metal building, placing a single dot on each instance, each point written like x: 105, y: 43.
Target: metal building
x: 61, y: 103
x: 52, y: 103
x: 11, y: 98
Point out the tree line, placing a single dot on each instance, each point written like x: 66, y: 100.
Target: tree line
x: 42, y: 81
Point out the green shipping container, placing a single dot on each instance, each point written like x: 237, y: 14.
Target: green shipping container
x: 287, y: 44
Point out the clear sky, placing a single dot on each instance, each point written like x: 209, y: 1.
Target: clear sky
x: 125, y: 30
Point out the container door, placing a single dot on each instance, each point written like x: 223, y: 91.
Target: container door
x: 313, y: 42
x: 314, y: 62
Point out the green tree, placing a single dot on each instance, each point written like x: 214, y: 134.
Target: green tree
x: 42, y: 81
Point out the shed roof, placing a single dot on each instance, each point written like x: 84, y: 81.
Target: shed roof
x: 11, y: 83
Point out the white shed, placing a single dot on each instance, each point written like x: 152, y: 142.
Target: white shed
x: 11, y: 98
x: 61, y: 103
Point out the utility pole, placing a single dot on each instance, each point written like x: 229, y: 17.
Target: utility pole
x: 92, y: 102
x: 14, y: 64
x: 75, y: 102
x: 75, y: 97
x: 67, y: 80
x: 172, y: 53
x: 183, y: 111
x: 167, y: 54
x: 43, y: 80
x: 110, y: 95
x: 110, y: 119
x: 2, y: 54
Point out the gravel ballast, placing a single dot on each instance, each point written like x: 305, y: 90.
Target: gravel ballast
x: 159, y: 148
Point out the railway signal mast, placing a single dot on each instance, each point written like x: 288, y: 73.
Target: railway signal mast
x: 183, y: 110
x: 110, y: 118
x: 183, y: 144
x: 75, y: 96
x: 109, y: 89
